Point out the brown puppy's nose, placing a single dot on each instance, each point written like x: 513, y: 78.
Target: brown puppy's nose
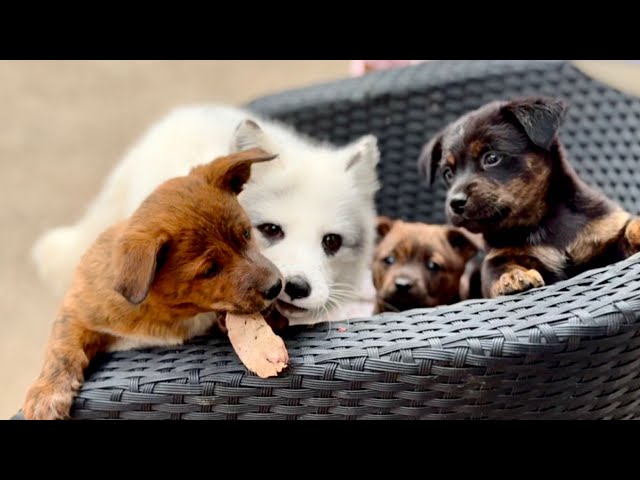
x: 403, y: 284
x: 457, y: 203
x: 273, y: 291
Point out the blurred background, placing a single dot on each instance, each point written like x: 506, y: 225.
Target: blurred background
x: 65, y: 124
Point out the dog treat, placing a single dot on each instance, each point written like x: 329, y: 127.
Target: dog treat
x: 260, y: 350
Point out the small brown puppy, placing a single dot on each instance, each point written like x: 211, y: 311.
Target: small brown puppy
x: 186, y: 250
x: 419, y: 265
x: 510, y: 180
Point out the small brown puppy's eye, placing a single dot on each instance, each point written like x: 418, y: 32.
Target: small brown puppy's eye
x: 433, y: 266
x: 490, y: 160
x: 447, y: 174
x: 247, y: 234
x: 390, y: 260
x: 271, y: 231
x: 213, y: 270
x: 331, y: 243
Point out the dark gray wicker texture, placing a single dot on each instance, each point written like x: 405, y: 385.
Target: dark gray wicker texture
x: 568, y: 351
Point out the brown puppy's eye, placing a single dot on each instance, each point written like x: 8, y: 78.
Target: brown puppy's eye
x: 271, y: 232
x: 213, y: 270
x: 331, y: 243
x: 447, y: 174
x: 390, y: 260
x: 247, y: 234
x: 490, y: 160
x: 433, y: 266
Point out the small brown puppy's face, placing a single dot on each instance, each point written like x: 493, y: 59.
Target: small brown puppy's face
x: 496, y: 162
x: 189, y: 244
x: 418, y: 265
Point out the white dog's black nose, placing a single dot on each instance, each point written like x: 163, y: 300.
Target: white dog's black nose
x: 297, y: 287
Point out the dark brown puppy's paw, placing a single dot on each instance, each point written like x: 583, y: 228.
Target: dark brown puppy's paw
x: 632, y: 234
x: 516, y: 281
x: 50, y: 401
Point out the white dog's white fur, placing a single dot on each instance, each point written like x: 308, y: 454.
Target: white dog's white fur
x: 310, y: 190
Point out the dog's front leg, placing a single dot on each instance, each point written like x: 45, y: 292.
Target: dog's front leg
x: 504, y: 275
x: 632, y: 237
x: 69, y: 350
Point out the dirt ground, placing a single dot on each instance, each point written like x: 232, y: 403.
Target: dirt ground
x: 63, y: 125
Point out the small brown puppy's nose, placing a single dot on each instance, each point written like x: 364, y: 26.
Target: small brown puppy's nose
x: 403, y: 284
x: 457, y: 203
x: 273, y: 291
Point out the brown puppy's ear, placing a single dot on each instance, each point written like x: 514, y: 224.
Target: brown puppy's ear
x: 136, y: 262
x: 462, y: 242
x: 429, y: 158
x: 540, y: 117
x: 383, y: 227
x: 232, y: 172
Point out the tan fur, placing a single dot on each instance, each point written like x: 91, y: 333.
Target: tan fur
x: 597, y: 235
x: 145, y: 281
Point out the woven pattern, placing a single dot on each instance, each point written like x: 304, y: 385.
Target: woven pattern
x: 567, y: 351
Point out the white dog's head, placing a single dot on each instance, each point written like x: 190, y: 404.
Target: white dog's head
x: 313, y: 214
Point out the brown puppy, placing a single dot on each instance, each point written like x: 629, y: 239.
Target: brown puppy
x: 510, y: 180
x: 419, y: 265
x: 186, y: 250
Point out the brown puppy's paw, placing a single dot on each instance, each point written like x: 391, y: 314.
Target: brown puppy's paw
x: 517, y: 281
x: 49, y: 401
x: 632, y: 234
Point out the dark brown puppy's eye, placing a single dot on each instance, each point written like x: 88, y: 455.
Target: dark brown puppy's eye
x: 433, y: 266
x: 447, y: 174
x: 247, y: 234
x: 271, y: 231
x: 213, y: 270
x: 331, y: 243
x: 490, y: 160
x: 390, y: 260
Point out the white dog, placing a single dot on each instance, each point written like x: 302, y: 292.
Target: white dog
x: 312, y: 208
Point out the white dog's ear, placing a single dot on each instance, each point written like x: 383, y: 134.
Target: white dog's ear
x: 362, y: 161
x: 247, y: 135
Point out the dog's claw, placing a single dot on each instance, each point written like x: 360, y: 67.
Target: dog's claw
x: 517, y: 281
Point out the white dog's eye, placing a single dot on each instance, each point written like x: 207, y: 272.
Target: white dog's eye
x: 331, y: 243
x: 271, y: 231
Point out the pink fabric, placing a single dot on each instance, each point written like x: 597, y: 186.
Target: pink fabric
x: 360, y: 67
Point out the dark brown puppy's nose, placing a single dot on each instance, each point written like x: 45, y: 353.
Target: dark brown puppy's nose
x: 457, y: 203
x: 403, y: 284
x: 273, y: 291
x: 297, y: 287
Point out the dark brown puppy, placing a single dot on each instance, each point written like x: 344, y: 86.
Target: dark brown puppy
x: 187, y: 250
x: 510, y: 180
x: 419, y: 265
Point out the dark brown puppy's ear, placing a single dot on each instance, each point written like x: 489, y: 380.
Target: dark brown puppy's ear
x: 383, y: 227
x: 462, y: 242
x: 233, y: 171
x: 540, y: 117
x: 429, y: 158
x: 136, y: 262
